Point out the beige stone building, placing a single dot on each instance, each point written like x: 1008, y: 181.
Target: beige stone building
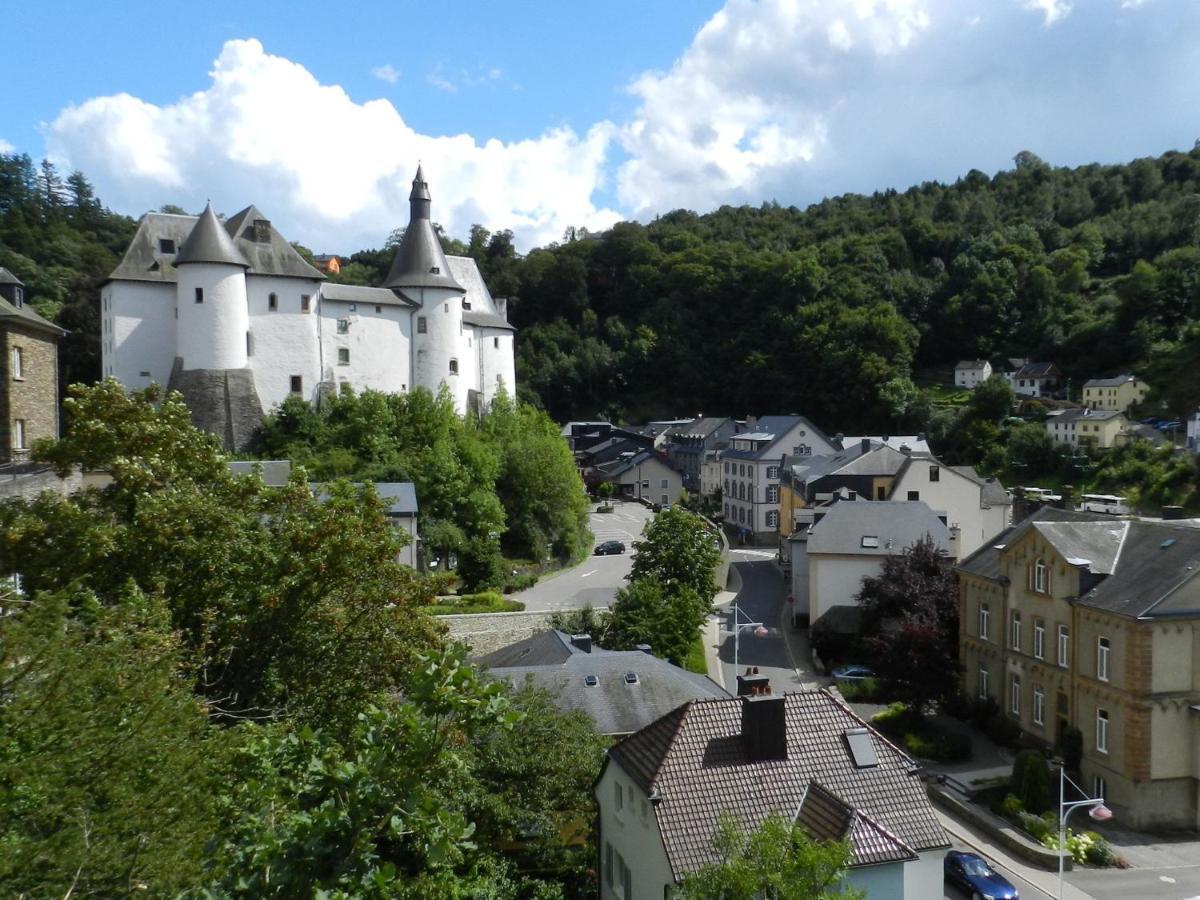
x: 28, y: 373
x: 1097, y: 428
x: 1081, y: 620
x: 1117, y: 393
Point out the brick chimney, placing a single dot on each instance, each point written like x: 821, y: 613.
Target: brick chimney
x: 582, y: 641
x: 764, y: 726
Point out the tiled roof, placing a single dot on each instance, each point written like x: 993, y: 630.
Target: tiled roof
x: 972, y: 364
x: 895, y: 525
x: 826, y: 817
x: 985, y: 562
x: 694, y: 761
x: 355, y: 293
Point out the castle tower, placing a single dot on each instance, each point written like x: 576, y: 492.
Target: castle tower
x: 212, y: 334
x: 421, y: 273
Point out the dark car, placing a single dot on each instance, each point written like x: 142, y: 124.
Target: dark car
x: 853, y: 673
x: 609, y: 547
x: 972, y: 874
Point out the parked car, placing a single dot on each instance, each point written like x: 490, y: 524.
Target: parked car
x: 972, y: 874
x: 608, y: 548
x: 853, y: 673
x: 1172, y: 425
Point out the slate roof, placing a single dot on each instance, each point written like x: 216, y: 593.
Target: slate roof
x: 551, y: 662
x: 354, y: 293
x: 25, y: 315
x: 701, y: 427
x: 420, y: 261
x: 985, y: 562
x: 1036, y: 370
x: 621, y: 466
x: 694, y: 761
x: 145, y: 261
x: 992, y: 493
x: 399, y: 497
x: 1115, y: 381
x: 486, y: 320
x: 1086, y: 415
x: 274, y: 472
x: 7, y: 277
x: 916, y: 443
x: 208, y: 242
x: 972, y: 364
x: 771, y: 430
x: 896, y: 525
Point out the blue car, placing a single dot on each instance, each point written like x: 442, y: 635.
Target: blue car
x: 853, y: 673
x: 972, y: 874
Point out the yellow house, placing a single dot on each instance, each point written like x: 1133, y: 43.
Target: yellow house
x: 1118, y: 393
x: 1092, y: 427
x: 1079, y: 620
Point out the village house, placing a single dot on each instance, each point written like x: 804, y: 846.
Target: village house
x: 1085, y: 621
x: 1035, y: 379
x: 1118, y: 393
x: 639, y: 475
x: 866, y: 468
x: 28, y: 372
x: 1096, y: 428
x: 970, y: 373
x: 806, y: 756
x: 687, y: 446
x: 976, y: 508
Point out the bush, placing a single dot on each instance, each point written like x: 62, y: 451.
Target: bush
x: 1010, y: 807
x: 487, y: 602
x: 1080, y: 846
x: 1100, y: 853
x: 981, y: 710
x: 865, y: 691
x: 1003, y: 730
x: 442, y: 582
x: 940, y: 747
x: 958, y: 705
x: 1031, y: 781
x: 1036, y: 826
x: 479, y: 564
x: 520, y: 582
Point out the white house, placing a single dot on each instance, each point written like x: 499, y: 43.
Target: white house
x: 970, y: 373
x: 233, y: 317
x: 750, y: 472
x: 641, y: 476
x: 806, y: 756
x: 850, y: 540
x: 978, y: 508
x: 1034, y: 379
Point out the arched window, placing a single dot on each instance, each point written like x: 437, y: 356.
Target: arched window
x: 454, y: 367
x: 742, y: 491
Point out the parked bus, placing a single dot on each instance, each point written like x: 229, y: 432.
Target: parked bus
x: 1104, y: 503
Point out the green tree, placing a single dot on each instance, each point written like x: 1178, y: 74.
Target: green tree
x: 777, y: 861
x: 678, y: 551
x: 666, y: 617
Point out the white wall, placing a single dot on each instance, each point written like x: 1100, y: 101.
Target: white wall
x: 141, y: 334
x: 955, y: 496
x: 496, y: 362
x: 882, y: 882
x: 442, y: 341
x: 836, y: 580
x: 633, y: 832
x: 212, y: 334
x: 284, y: 340
x: 380, y: 345
x: 925, y: 877
x: 408, y: 554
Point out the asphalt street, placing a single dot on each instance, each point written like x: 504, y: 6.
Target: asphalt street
x: 595, y: 582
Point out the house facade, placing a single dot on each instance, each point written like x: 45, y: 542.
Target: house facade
x: 751, y: 469
x: 1117, y: 393
x: 1078, y: 620
x: 640, y: 476
x: 229, y: 314
x: 807, y: 756
x: 976, y: 508
x: 688, y: 446
x: 1096, y: 428
x: 970, y: 373
x: 28, y: 373
x: 866, y: 468
x: 1035, y: 379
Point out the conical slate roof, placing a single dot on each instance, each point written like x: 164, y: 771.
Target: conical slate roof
x: 209, y: 242
x: 419, y: 260
x: 7, y: 277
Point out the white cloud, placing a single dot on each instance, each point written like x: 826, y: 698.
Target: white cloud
x: 452, y: 82
x: 331, y: 172
x: 386, y: 72
x: 6, y: 147
x: 1053, y: 10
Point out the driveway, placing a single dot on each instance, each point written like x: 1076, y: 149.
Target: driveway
x: 595, y: 581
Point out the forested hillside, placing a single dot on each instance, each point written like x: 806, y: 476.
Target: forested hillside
x: 833, y: 311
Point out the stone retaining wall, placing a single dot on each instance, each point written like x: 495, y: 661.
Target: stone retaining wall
x: 485, y: 632
x: 1012, y: 839
x: 30, y: 480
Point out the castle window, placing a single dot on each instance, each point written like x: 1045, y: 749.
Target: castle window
x: 18, y: 371
x: 378, y: 308
x: 249, y: 344
x: 199, y: 295
x: 466, y: 304
x: 166, y: 246
x: 496, y: 343
x: 421, y: 326
x: 454, y: 367
x: 19, y: 296
x: 343, y: 356
x: 305, y: 302
x: 934, y: 473
x: 273, y: 302
x: 353, y: 307
x: 297, y: 386
x: 343, y: 326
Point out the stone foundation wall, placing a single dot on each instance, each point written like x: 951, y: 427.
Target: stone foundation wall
x: 485, y: 632
x: 27, y: 481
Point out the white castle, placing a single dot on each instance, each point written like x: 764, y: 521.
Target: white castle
x: 232, y: 316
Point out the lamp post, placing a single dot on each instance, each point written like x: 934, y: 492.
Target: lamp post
x: 759, y: 630
x: 1098, y: 811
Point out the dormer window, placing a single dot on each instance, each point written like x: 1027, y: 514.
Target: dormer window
x: 466, y: 304
x: 19, y: 296
x: 435, y: 270
x: 166, y: 246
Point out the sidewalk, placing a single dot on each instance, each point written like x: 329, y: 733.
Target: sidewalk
x: 712, y: 636
x: 1045, y: 882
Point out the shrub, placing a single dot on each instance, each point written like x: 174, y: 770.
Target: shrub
x: 1010, y: 807
x: 982, y: 710
x: 1078, y: 845
x: 520, y: 582
x: 487, y: 602
x: 1070, y: 742
x: 939, y: 746
x: 1100, y: 853
x: 442, y: 582
x: 864, y: 691
x: 1036, y: 826
x: 958, y: 705
x: 1031, y: 781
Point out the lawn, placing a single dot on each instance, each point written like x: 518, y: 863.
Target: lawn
x: 695, y: 660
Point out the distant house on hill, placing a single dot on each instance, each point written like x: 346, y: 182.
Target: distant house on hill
x: 1117, y: 393
x: 1035, y: 379
x: 621, y: 690
x: 970, y: 373
x: 330, y: 265
x: 28, y: 372
x: 1098, y: 428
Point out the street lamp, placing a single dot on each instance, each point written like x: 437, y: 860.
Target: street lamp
x: 760, y: 630
x: 1098, y: 812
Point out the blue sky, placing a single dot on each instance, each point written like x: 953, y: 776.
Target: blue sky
x: 538, y: 116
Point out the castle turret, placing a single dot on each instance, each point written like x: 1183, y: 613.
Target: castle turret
x: 212, y: 334
x: 421, y: 273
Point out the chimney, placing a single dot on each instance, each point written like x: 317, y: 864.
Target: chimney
x: 866, y: 445
x: 752, y: 684
x: 1172, y: 512
x: 645, y: 648
x: 851, y: 495
x: 764, y: 727
x: 837, y: 440
x: 582, y: 641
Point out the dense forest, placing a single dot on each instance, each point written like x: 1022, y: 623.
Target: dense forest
x: 843, y: 311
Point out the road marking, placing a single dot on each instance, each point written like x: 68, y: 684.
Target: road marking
x: 1166, y: 879
x: 765, y: 554
x: 586, y: 574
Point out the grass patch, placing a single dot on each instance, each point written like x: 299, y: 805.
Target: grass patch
x: 921, y: 737
x: 695, y: 660
x: 489, y: 602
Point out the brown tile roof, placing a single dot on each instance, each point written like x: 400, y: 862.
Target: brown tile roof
x: 694, y: 762
x: 826, y: 817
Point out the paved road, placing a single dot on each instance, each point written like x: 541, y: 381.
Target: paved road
x: 1027, y: 890
x: 596, y: 580
x: 1146, y: 884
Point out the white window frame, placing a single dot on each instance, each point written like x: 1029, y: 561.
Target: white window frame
x: 20, y: 438
x: 1039, y: 639
x: 18, y: 364
x: 1064, y: 646
x: 985, y: 682
x: 772, y: 519
x: 1014, y: 630
x: 772, y: 471
x: 772, y: 493
x: 1102, y: 731
x: 985, y: 622
x: 343, y: 355
x: 1103, y: 650
x: 1039, y: 705
x: 1014, y: 695
x: 1039, y: 576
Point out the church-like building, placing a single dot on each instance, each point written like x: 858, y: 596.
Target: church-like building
x: 229, y: 314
